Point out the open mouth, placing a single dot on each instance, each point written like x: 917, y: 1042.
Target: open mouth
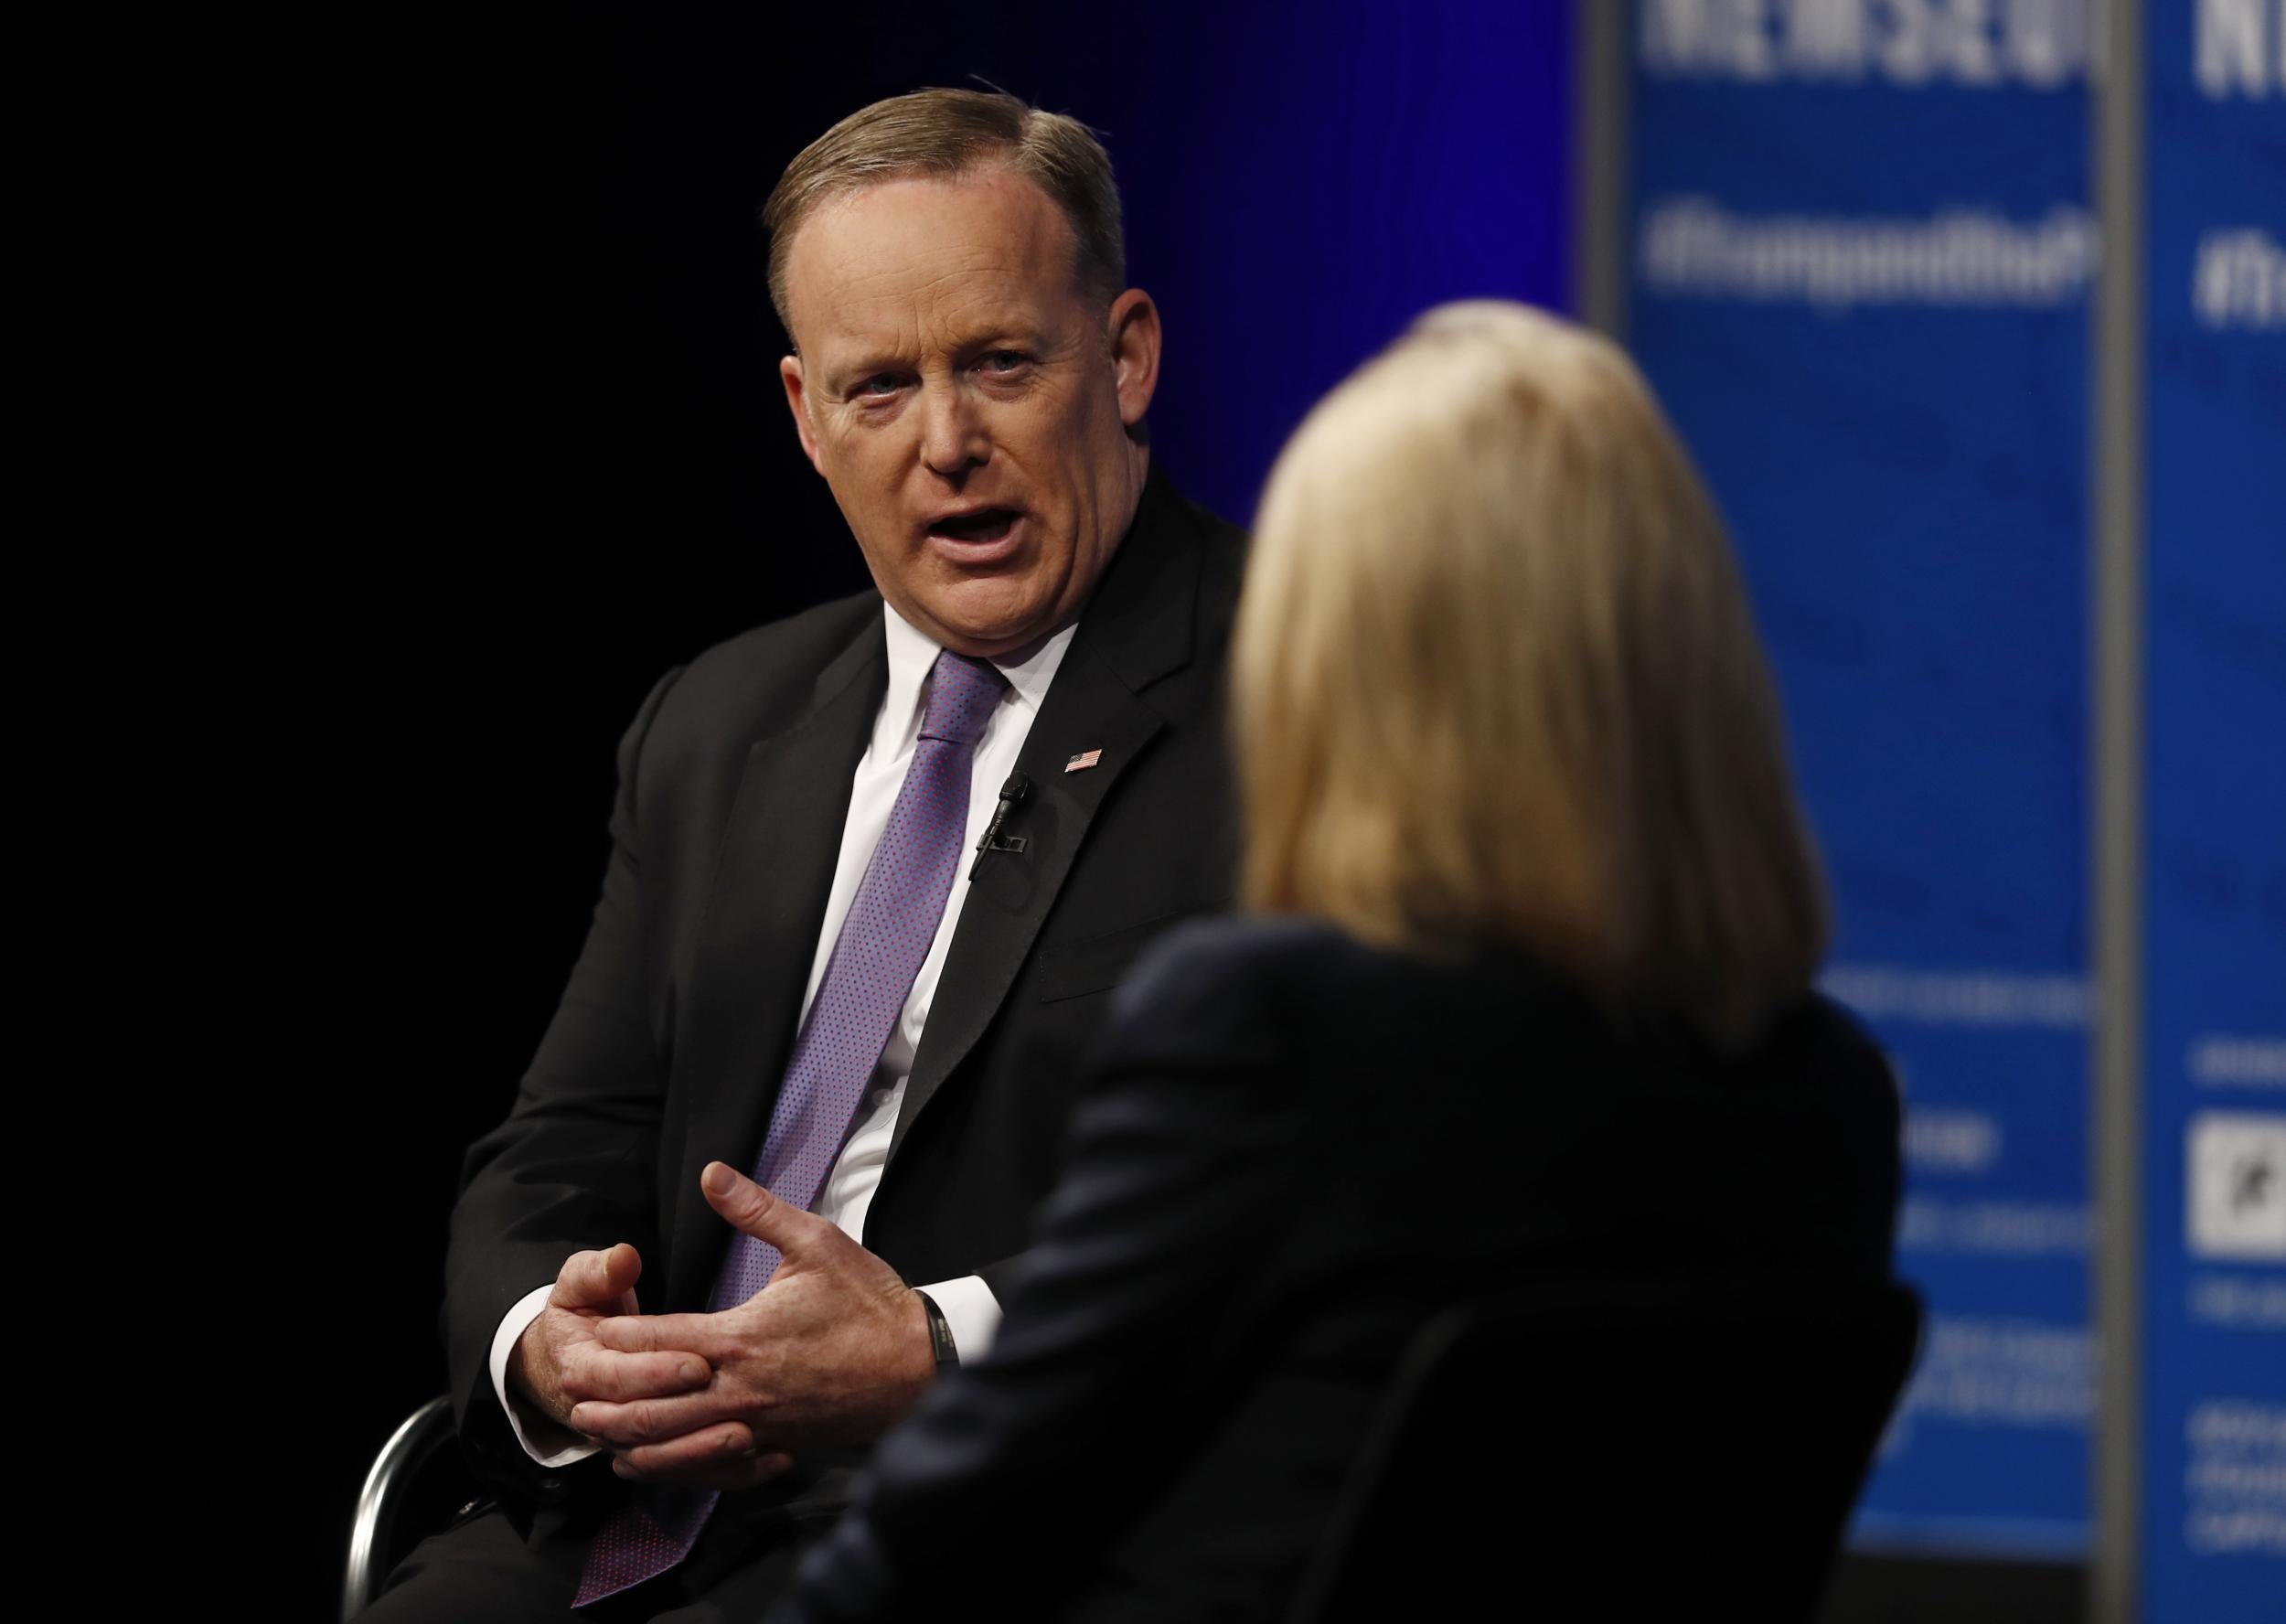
x: 985, y: 525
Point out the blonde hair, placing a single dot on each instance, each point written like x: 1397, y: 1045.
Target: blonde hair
x: 944, y: 134
x: 1495, y: 676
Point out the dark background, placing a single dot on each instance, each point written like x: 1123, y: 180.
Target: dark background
x: 523, y: 448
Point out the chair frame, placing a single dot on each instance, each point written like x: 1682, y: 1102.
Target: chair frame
x: 411, y: 1447
x: 1319, y: 1595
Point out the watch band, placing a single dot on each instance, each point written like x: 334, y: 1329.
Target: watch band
x: 940, y: 1333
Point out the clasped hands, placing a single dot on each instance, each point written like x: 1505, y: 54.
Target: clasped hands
x: 835, y: 1350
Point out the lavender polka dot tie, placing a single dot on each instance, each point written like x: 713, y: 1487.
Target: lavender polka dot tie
x: 891, y: 922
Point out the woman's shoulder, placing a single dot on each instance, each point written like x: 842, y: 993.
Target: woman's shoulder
x: 1820, y: 1060
x: 1818, y: 1037
x: 1236, y: 966
x: 1288, y: 972
x: 1253, y: 942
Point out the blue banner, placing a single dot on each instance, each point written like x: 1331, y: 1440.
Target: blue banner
x: 2215, y: 900
x: 1861, y: 262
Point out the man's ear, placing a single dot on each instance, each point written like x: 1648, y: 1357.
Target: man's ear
x: 796, y: 401
x: 1135, y: 353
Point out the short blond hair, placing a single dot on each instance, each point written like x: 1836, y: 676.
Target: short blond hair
x: 1495, y: 676
x: 944, y: 133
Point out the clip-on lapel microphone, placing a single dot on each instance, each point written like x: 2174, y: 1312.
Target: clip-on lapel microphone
x: 1012, y: 794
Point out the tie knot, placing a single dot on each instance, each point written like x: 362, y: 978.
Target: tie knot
x: 961, y: 694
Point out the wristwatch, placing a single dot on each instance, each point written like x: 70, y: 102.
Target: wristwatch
x: 940, y: 1333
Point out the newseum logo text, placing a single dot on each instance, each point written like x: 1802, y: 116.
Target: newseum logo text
x: 2239, y: 47
x: 2034, y: 44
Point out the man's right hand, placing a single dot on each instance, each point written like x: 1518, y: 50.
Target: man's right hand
x: 557, y: 1363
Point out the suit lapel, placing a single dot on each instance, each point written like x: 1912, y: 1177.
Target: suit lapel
x: 779, y: 850
x: 1136, y: 631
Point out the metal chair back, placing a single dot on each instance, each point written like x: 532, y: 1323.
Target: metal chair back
x: 407, y: 1496
x: 1625, y: 1449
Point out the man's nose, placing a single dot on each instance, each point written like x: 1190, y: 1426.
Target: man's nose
x: 953, y: 436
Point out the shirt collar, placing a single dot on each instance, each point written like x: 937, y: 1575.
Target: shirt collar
x: 912, y: 653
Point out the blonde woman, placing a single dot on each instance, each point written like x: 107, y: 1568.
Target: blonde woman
x: 1524, y: 991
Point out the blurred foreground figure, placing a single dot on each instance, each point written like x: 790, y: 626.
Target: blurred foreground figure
x: 1522, y: 997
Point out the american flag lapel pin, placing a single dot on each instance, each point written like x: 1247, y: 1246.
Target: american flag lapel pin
x: 1082, y: 761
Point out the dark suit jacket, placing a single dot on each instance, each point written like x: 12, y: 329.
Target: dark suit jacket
x: 1300, y: 1150
x: 672, y: 1037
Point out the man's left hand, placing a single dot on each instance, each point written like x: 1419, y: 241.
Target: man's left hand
x: 835, y: 1350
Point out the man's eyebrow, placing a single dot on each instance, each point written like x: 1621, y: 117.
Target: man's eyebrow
x: 838, y: 369
x: 1003, y: 326
x: 861, y: 364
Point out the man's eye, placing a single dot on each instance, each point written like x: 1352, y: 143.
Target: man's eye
x: 880, y: 383
x: 1003, y: 360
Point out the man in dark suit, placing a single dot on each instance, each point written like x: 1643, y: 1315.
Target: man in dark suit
x: 874, y: 872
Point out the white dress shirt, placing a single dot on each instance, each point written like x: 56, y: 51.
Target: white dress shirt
x: 969, y: 1304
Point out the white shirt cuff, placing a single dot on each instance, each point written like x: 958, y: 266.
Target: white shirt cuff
x: 972, y: 1311
x: 526, y: 1311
